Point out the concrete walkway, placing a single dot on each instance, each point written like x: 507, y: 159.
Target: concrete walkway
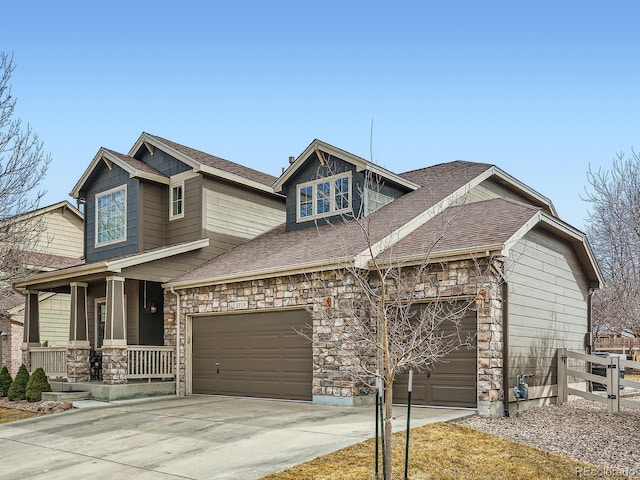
x: 195, y: 437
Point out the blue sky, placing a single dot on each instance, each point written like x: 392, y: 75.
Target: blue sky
x: 541, y: 89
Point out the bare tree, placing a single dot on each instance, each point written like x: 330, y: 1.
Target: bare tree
x: 614, y: 230
x: 397, y: 314
x: 23, y: 164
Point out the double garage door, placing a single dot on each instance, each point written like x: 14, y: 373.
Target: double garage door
x: 252, y: 355
x: 262, y: 354
x: 451, y: 383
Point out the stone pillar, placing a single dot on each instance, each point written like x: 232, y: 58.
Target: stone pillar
x: 31, y: 331
x: 490, y: 394
x: 78, y: 350
x: 114, y: 347
x: 78, y: 369
x: 114, y: 365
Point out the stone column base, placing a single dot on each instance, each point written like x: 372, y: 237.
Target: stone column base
x: 78, y: 369
x: 114, y: 364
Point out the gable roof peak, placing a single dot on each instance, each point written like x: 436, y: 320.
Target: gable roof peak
x: 360, y: 163
x: 204, y: 162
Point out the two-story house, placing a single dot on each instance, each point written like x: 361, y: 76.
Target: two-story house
x: 198, y: 262
x: 150, y: 215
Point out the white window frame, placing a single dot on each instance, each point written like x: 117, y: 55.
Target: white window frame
x: 97, y: 197
x: 171, y: 200
x: 333, y: 210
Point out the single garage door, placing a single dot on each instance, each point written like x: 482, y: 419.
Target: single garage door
x: 451, y: 383
x: 252, y: 355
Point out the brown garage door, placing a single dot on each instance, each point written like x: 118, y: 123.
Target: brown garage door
x: 452, y: 383
x: 252, y: 354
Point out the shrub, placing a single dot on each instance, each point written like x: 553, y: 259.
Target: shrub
x: 37, y: 384
x: 19, y: 385
x: 5, y: 381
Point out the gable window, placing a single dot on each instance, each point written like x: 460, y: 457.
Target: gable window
x: 176, y: 201
x: 111, y: 216
x: 324, y: 197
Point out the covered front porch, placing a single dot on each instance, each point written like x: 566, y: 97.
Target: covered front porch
x: 117, y: 333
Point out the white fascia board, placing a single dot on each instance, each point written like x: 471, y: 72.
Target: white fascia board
x: 310, y: 267
x: 501, y: 174
x: 522, y: 231
x: 75, y: 192
x: 363, y: 258
x: 200, y: 167
x: 479, y: 251
x: 360, y: 163
x: 56, y: 275
x: 563, y: 229
x: 134, y: 172
x: 118, y: 265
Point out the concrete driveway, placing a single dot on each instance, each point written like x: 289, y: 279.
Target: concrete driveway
x: 196, y: 437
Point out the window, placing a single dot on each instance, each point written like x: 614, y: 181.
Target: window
x: 375, y: 200
x: 111, y: 216
x: 176, y: 202
x: 324, y: 197
x: 101, y: 320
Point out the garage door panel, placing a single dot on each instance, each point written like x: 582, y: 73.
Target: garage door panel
x: 260, y: 354
x: 451, y: 382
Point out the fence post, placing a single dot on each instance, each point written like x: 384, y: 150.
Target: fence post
x: 613, y: 385
x: 562, y: 376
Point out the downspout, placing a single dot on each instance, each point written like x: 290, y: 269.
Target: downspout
x: 177, y: 341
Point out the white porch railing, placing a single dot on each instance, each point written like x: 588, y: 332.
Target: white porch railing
x: 53, y: 360
x: 150, y: 362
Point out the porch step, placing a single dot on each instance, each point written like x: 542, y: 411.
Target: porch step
x: 65, y: 396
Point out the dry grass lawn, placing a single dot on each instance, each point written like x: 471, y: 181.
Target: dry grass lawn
x: 440, y: 451
x: 12, y: 415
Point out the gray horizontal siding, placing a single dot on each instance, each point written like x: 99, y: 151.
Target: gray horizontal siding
x: 548, y: 298
x: 189, y: 227
x: 107, y: 179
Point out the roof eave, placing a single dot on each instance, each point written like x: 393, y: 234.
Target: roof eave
x: 359, y: 162
x: 309, y: 267
x: 525, y: 189
x: 198, y: 166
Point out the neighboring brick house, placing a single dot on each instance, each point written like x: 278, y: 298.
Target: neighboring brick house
x: 238, y: 313
x: 58, y: 245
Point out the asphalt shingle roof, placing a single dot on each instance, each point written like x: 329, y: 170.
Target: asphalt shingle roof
x: 220, y: 163
x: 278, y: 249
x: 135, y: 163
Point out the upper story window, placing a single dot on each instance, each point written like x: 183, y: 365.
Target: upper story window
x: 324, y: 197
x: 111, y: 216
x: 176, y: 201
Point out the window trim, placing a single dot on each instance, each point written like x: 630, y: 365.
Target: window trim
x: 97, y: 197
x: 332, y: 196
x: 173, y: 185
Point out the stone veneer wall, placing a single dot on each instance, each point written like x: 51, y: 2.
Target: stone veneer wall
x: 114, y: 365
x: 331, y: 381
x: 78, y: 368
